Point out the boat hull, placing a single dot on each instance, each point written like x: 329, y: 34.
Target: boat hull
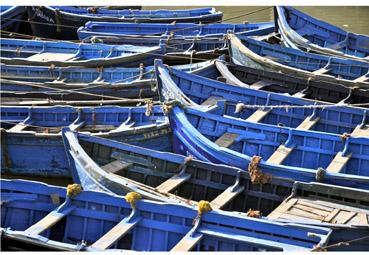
x: 63, y: 25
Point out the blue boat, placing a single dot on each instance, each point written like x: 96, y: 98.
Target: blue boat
x: 119, y: 168
x: 301, y: 31
x: 75, y: 83
x: 11, y: 17
x: 68, y: 219
x: 278, y: 82
x: 46, y: 53
x: 29, y: 132
x: 259, y: 106
x: 62, y: 22
x: 249, y: 52
x: 163, y: 31
x: 16, y: 101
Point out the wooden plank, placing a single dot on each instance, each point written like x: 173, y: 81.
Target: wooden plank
x: 329, y: 218
x: 308, y: 123
x: 116, y: 166
x: 212, y: 100
x: 49, y: 220
x: 173, y: 182
x: 18, y: 128
x: 311, y: 210
x: 303, y: 213
x: 260, y: 84
x: 282, y: 208
x: 225, y: 197
x: 258, y: 115
x: 312, y: 203
x: 280, y: 155
x: 187, y: 242
x: 299, y: 95
x: 323, y: 70
x: 363, y: 218
x: 114, y: 234
x: 226, y: 140
x: 363, y: 78
x: 50, y: 56
x: 339, y: 162
x: 344, y: 216
x: 361, y: 132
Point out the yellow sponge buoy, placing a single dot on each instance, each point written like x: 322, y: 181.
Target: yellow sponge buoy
x: 204, y: 207
x: 132, y: 198
x: 73, y: 190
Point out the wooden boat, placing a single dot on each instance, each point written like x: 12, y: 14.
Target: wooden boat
x: 75, y: 83
x: 115, y: 167
x: 301, y: 31
x: 67, y: 219
x: 11, y: 17
x: 28, y: 132
x: 46, y: 53
x: 11, y: 101
x: 62, y: 22
x: 259, y: 106
x: 238, y: 143
x: 247, y: 51
x: 161, y: 31
x: 295, y: 86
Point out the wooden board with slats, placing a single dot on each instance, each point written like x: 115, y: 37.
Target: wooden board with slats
x: 310, y: 209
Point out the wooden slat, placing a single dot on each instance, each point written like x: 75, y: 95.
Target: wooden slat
x: 19, y: 127
x: 173, y: 182
x: 363, y: 218
x: 187, y: 242
x: 363, y: 78
x: 310, y: 209
x: 321, y: 71
x: 344, y: 216
x: 308, y: 123
x: 116, y: 166
x: 299, y: 95
x: 225, y: 197
x: 329, y: 218
x: 282, y: 208
x: 280, y: 155
x: 48, y: 56
x: 260, y: 84
x: 339, y: 162
x: 258, y: 115
x: 312, y: 203
x: 226, y: 140
x: 212, y: 100
x: 116, y: 233
x: 304, y: 214
x: 49, y: 220
x: 361, y: 132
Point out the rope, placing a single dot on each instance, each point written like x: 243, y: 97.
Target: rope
x: 256, y: 176
x: 241, y: 106
x: 347, y: 243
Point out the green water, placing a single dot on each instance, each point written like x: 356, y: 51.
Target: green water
x: 351, y: 18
